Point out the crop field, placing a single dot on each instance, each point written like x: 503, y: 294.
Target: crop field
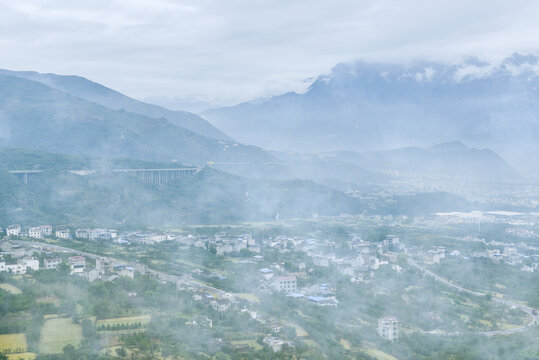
x: 12, y: 342
x: 252, y: 343
x: 249, y: 297
x: 57, y: 333
x: 22, y: 356
x: 12, y: 289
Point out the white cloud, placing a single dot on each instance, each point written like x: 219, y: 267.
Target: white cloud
x: 229, y: 51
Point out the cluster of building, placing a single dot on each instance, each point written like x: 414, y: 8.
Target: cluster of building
x: 18, y: 259
x: 224, y: 243
x: 64, y: 232
x: 37, y: 232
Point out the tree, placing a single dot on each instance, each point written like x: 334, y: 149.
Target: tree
x: 3, y: 356
x: 64, y: 268
x: 121, y: 352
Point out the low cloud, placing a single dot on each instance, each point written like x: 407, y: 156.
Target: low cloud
x: 226, y: 52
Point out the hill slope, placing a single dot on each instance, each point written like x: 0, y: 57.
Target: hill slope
x: 36, y: 116
x: 97, y: 93
x: 107, y: 199
x: 448, y: 159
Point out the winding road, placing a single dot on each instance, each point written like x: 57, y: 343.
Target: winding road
x: 534, y: 318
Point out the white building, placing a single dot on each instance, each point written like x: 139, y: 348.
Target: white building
x: 127, y: 271
x: 77, y: 263
x: 35, y: 232
x: 47, y: 230
x: 16, y: 269
x: 52, y: 263
x: 13, y: 230
x: 388, y: 328
x: 81, y: 233
x: 104, y: 265
x: 287, y: 284
x: 63, y: 233
x: 95, y: 233
x: 31, y: 263
x: 22, y: 265
x: 274, y: 343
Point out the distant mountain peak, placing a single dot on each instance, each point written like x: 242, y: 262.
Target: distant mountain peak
x: 449, y: 146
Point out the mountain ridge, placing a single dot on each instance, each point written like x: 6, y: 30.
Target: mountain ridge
x: 94, y: 92
x: 36, y: 116
x: 371, y: 106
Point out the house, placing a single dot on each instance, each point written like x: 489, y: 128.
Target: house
x: 77, y: 263
x: 388, y: 328
x: 95, y: 233
x: 274, y: 343
x: 126, y: 271
x: 46, y: 229
x: 103, y: 265
x: 35, y: 232
x: 201, y: 321
x: 221, y: 305
x: 31, y: 263
x: 16, y: 269
x: 300, y: 274
x: 287, y: 284
x: 81, y: 233
x: 52, y: 263
x: 63, y: 233
x: 13, y: 230
x: 22, y: 265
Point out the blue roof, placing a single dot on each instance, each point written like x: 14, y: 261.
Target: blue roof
x: 316, y: 298
x: 297, y: 295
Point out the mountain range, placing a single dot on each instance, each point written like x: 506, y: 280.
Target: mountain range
x: 37, y: 116
x: 366, y: 106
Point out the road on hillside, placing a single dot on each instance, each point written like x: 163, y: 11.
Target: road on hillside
x: 534, y: 319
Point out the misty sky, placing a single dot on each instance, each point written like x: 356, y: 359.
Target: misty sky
x: 226, y: 51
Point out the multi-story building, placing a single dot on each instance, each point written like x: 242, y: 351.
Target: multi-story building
x: 52, y: 263
x: 13, y: 230
x: 95, y: 233
x: 63, y: 233
x: 388, y: 328
x: 287, y: 284
x: 47, y: 230
x: 77, y: 263
x: 103, y: 265
x: 31, y: 263
x: 16, y: 269
x: 81, y: 233
x: 35, y: 232
x: 22, y: 265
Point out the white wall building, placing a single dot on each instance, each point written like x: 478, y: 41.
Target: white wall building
x: 388, y: 328
x: 13, y: 230
x: 52, y: 263
x: 287, y: 284
x: 63, y: 233
x: 35, y: 232
x: 47, y: 230
x: 77, y: 263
